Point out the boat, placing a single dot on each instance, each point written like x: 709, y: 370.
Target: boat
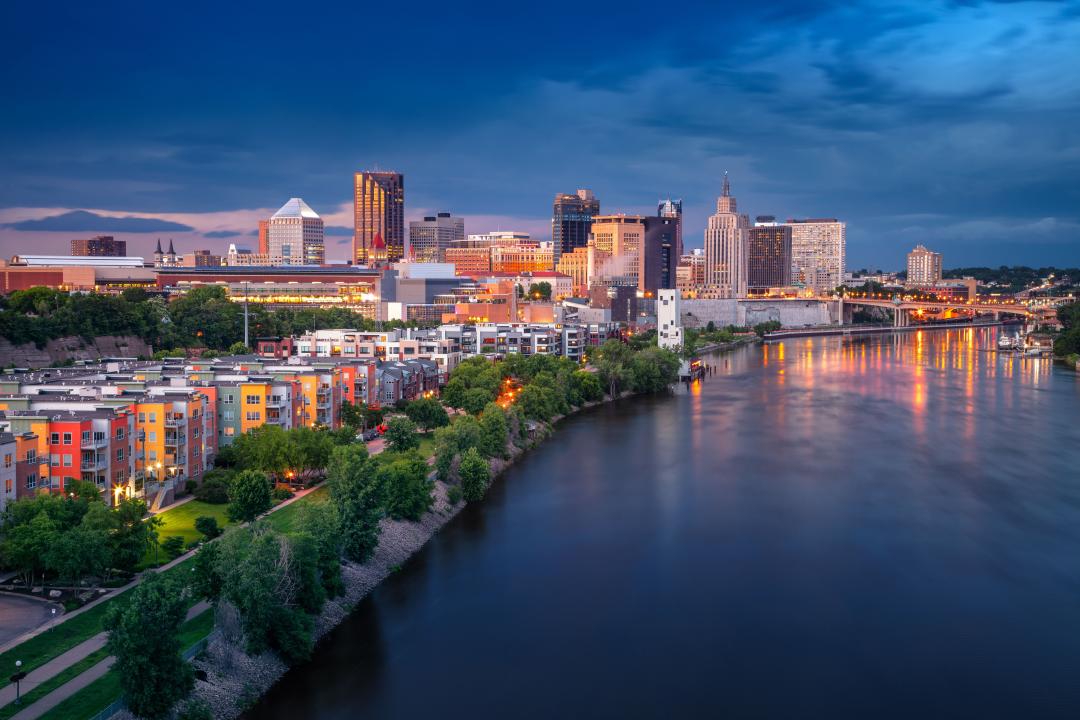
x: 1009, y: 342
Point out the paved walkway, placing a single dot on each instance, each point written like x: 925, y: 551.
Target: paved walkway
x: 19, y: 614
x: 81, y: 680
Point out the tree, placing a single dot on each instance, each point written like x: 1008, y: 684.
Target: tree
x: 428, y: 413
x: 540, y: 290
x: 310, y: 449
x: 249, y: 496
x: 144, y: 637
x: 494, y: 427
x: 475, y: 400
x: 475, y: 475
x: 612, y: 360
x: 26, y: 546
x: 357, y: 496
x: 206, y: 577
x: 409, y: 493
x: 208, y: 526
x: 401, y: 435
x: 588, y: 386
x: 653, y: 369
x: 238, y: 348
x: 351, y: 416
x: 767, y: 327
x: 321, y: 523
x: 173, y: 546
x: 133, y: 536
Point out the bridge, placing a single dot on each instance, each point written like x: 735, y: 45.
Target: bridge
x: 904, y: 307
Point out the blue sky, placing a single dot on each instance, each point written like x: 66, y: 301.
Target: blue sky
x: 955, y: 124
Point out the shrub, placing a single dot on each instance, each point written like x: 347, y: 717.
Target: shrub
x: 207, y: 526
x: 214, y: 489
x: 173, y: 546
x: 280, y: 495
x: 453, y: 495
x: 190, y: 486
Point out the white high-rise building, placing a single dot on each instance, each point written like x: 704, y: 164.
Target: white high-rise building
x: 727, y: 241
x: 429, y: 238
x: 295, y: 234
x: 669, y: 319
x: 818, y: 253
x: 923, y: 266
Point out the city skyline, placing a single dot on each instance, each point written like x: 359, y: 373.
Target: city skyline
x: 804, y: 105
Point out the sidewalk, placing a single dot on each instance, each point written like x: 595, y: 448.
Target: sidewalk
x: 80, y: 681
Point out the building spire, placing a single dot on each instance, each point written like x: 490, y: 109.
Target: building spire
x: 158, y: 251
x: 726, y: 191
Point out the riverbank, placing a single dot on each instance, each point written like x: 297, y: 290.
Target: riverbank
x: 229, y: 681
x: 874, y: 330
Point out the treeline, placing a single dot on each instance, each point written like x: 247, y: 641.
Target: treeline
x: 1067, y: 343
x: 203, y: 317
x: 1016, y: 277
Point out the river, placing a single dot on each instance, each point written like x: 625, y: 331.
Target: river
x: 883, y: 527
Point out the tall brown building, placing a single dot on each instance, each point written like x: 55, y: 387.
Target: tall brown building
x: 264, y: 237
x: 769, y: 256
x: 378, y: 209
x: 99, y: 246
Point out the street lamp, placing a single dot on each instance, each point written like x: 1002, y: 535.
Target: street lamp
x: 17, y: 679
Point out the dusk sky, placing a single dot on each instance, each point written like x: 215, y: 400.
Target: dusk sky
x: 952, y: 124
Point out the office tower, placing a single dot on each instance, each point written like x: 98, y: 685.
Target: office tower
x: 660, y: 252
x: 673, y: 209
x: 378, y: 209
x: 769, y: 256
x: 264, y: 237
x: 571, y: 220
x: 430, y: 238
x: 523, y: 257
x: 726, y: 244
x: 923, y: 266
x: 295, y: 234
x: 491, y: 239
x: 818, y: 248
x: 622, y: 237
x: 99, y: 246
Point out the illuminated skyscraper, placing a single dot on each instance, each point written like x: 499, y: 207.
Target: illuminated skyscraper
x: 295, y: 234
x: 727, y: 239
x: 818, y: 250
x: 923, y: 266
x: 378, y: 209
x: 571, y: 220
x: 673, y: 209
x: 769, y: 256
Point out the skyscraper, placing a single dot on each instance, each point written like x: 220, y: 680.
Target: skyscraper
x: 818, y: 248
x: 99, y: 246
x: 659, y: 255
x: 673, y: 209
x: 727, y: 239
x: 430, y: 238
x: 621, y: 238
x: 295, y: 234
x: 571, y: 220
x: 923, y: 266
x: 378, y: 209
x: 769, y: 256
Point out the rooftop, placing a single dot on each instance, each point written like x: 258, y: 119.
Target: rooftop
x: 295, y: 208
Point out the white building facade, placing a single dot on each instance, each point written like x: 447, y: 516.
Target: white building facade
x: 818, y: 253
x: 296, y: 233
x: 727, y: 242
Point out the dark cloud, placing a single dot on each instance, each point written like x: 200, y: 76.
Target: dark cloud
x: 223, y: 234
x: 84, y: 221
x: 338, y: 230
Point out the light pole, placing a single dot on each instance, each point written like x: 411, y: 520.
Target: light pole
x: 17, y: 679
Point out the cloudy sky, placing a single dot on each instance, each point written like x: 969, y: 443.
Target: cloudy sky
x: 954, y: 124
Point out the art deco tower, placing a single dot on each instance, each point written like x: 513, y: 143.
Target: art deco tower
x: 727, y: 240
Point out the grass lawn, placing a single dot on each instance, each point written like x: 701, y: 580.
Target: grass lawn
x: 44, y: 647
x: 284, y: 519
x: 181, y: 521
x: 101, y: 693
x: 427, y: 445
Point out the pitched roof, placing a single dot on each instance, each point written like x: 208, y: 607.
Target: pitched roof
x: 295, y: 208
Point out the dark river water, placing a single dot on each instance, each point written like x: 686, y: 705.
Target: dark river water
x: 879, y: 527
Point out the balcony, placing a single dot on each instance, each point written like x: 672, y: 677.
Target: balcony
x: 176, y: 440
x: 277, y: 401
x: 99, y: 440
x: 173, y: 421
x: 90, y: 464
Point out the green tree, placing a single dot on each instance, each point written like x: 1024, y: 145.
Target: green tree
x: 144, y: 637
x: 351, y: 416
x: 653, y: 369
x: 401, y: 435
x: 494, y: 427
x: 428, y: 413
x: 612, y: 360
x: 358, y: 498
x: 310, y: 449
x: 320, y: 522
x: 206, y: 577
x: 249, y: 496
x: 409, y: 492
x: 208, y: 526
x: 135, y: 534
x: 238, y: 348
x: 26, y: 546
x: 173, y: 546
x: 540, y: 290
x: 475, y: 475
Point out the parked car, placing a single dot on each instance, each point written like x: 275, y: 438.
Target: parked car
x: 371, y: 434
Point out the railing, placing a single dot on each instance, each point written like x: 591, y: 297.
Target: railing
x: 174, y: 420
x: 95, y: 464
x: 95, y: 442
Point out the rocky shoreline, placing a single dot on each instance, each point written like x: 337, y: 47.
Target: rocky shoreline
x: 230, y: 682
